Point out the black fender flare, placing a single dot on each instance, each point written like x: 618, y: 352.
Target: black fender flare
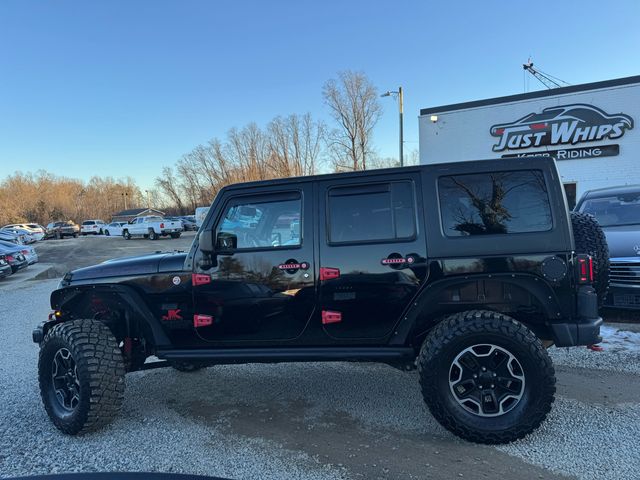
x: 425, y: 299
x: 128, y: 295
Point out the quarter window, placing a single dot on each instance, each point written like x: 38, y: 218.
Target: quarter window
x: 371, y: 213
x: 494, y: 203
x: 263, y: 224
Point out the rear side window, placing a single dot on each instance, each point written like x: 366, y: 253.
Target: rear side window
x: 371, y: 213
x: 494, y: 203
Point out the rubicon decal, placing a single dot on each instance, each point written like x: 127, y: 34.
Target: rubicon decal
x: 561, y: 125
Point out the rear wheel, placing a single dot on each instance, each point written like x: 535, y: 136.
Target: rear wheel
x: 486, y: 377
x: 152, y: 234
x: 590, y: 239
x: 175, y: 235
x: 106, y: 232
x: 81, y: 376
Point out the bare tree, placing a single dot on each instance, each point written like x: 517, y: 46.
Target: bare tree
x: 354, y: 105
x: 168, y: 185
x: 295, y: 144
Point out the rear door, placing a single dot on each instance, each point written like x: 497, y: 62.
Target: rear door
x: 372, y: 253
x: 264, y: 289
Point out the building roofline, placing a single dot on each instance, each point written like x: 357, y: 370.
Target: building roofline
x: 616, y: 82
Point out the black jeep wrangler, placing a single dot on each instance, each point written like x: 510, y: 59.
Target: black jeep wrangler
x: 465, y: 271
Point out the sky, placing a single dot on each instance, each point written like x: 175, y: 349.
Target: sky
x: 123, y: 88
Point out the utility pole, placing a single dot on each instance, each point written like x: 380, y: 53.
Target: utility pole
x: 400, y: 97
x: 401, y: 107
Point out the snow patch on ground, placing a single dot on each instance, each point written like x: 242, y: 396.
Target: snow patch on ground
x: 617, y: 340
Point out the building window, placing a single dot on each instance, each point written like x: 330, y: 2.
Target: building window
x: 370, y: 213
x: 494, y: 203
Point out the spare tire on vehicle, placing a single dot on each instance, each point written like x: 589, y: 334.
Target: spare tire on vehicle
x: 590, y: 240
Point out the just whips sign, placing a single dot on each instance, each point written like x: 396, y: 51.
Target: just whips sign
x: 561, y: 125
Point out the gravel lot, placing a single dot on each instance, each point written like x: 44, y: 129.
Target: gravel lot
x: 312, y: 421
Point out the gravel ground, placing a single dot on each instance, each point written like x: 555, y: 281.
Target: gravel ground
x: 311, y: 421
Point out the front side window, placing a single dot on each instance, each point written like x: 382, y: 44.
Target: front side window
x: 371, y: 213
x: 263, y: 224
x: 615, y: 210
x: 494, y: 203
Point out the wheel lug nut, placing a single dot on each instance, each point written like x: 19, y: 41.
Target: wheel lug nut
x: 475, y: 376
x: 484, y: 369
x: 480, y: 387
x: 492, y: 385
x: 495, y: 374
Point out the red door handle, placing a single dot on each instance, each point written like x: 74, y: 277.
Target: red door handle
x: 329, y: 273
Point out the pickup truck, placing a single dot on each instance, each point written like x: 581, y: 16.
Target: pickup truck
x: 152, y: 227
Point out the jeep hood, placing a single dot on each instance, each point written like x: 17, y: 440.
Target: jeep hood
x: 624, y: 241
x: 140, y: 265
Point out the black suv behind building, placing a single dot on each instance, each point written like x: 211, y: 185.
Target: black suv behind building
x: 467, y: 271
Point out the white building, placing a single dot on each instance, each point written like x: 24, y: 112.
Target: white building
x: 589, y: 128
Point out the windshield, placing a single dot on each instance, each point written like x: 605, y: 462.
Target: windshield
x: 615, y: 210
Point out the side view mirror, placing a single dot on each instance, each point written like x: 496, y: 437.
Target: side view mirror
x: 226, y: 242
x: 205, y: 241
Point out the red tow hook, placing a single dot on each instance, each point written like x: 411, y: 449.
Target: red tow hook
x: 595, y: 348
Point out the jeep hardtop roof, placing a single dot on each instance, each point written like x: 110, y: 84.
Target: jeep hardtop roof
x: 467, y: 166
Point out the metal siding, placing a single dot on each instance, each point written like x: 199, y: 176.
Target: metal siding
x: 463, y: 134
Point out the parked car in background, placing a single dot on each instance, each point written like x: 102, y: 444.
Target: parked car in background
x: 5, y: 268
x: 152, y: 227
x: 24, y: 235
x: 617, y: 209
x: 14, y: 257
x: 62, y: 229
x: 35, y: 230
x: 93, y: 227
x: 189, y: 223
x: 27, y: 250
x: 114, y: 229
x: 10, y: 237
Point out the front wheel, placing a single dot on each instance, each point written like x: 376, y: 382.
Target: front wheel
x: 81, y: 376
x: 486, y: 377
x: 126, y: 235
x: 106, y: 232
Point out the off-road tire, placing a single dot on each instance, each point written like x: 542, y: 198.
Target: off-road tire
x: 186, y: 367
x: 465, y: 329
x: 100, y: 371
x: 126, y: 234
x: 175, y: 235
x: 590, y: 239
x: 152, y: 234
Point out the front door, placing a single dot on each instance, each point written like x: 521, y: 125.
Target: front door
x: 263, y: 289
x: 372, y: 254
